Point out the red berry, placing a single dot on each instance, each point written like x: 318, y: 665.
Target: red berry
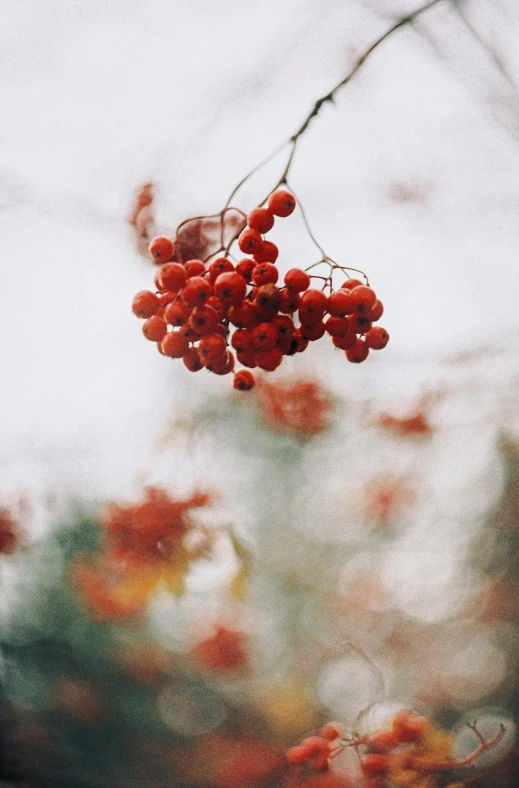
x: 376, y: 311
x: 338, y: 326
x: 267, y: 301
x: 359, y: 323
x: 346, y: 342
x: 171, y: 276
x: 265, y: 274
x: 222, y: 369
x: 331, y: 731
x: 269, y: 360
x: 244, y: 315
x: 289, y: 301
x: 174, y: 344
x: 312, y: 307
x: 281, y: 203
x: 297, y: 280
x: 243, y: 380
x: 230, y: 288
x: 250, y: 241
x: 264, y: 336
x: 177, y: 313
x: 358, y: 353
x: 194, y: 268
x: 241, y: 340
x: 196, y: 291
x: 247, y: 358
x: 191, y: 360
x: 267, y: 254
x: 154, y: 328
x: 161, y: 248
x: 349, y: 284
x: 374, y: 763
x: 204, y: 319
x: 245, y: 268
x: 260, y: 219
x: 363, y: 298
x: 312, y: 333
x: 219, y: 266
x: 376, y: 338
x: 210, y: 347
x: 145, y: 304
x: 340, y: 303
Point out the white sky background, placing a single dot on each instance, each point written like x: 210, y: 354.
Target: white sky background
x: 99, y: 96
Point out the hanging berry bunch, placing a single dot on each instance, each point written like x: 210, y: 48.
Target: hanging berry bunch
x: 212, y: 314
x: 215, y: 311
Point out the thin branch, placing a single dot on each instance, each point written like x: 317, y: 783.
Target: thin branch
x: 329, y: 97
x: 486, y: 744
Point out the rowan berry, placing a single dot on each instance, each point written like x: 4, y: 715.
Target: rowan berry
x: 264, y: 336
x: 243, y: 380
x: 338, y: 326
x: 298, y: 754
x: 192, y: 360
x: 247, y: 358
x: 260, y: 219
x: 297, y: 280
x: 265, y: 274
x: 269, y: 360
x: 230, y: 288
x: 154, y: 328
x: 267, y: 301
x: 167, y: 297
x: 177, y: 313
x: 250, y: 241
x: 340, y: 303
x: 376, y: 311
x: 288, y: 301
x: 358, y: 353
x: 331, y: 731
x: 174, y: 344
x: 313, y: 332
x: 380, y: 741
x: 245, y: 268
x: 242, y: 340
x: 204, y: 319
x: 194, y: 268
x: 281, y: 203
x: 219, y: 266
x: 196, y: 291
x: 211, y: 346
x: 222, y: 369
x: 284, y: 326
x: 312, y: 307
x: 363, y: 298
x: 217, y: 306
x: 409, y: 727
x: 244, y: 315
x: 376, y: 338
x: 359, y: 323
x: 346, y: 342
x: 145, y: 304
x: 161, y: 248
x: 299, y: 342
x: 349, y: 284
x: 268, y: 253
x: 374, y: 763
x: 171, y: 276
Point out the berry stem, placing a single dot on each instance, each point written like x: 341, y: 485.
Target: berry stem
x: 486, y: 744
x: 329, y: 97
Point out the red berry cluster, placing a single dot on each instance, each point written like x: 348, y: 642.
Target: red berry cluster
x: 315, y: 751
x: 212, y: 314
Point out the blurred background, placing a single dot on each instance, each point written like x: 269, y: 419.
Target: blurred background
x: 358, y: 550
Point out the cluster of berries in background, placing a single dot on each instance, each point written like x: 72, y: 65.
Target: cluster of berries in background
x: 408, y: 752
x: 213, y: 314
